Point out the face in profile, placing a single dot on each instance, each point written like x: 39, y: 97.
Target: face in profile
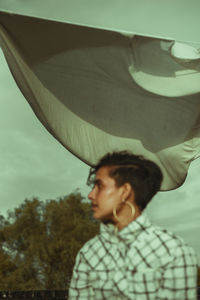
x: 105, y: 195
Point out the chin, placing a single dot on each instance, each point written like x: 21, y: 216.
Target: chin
x: 95, y: 216
x: 104, y: 219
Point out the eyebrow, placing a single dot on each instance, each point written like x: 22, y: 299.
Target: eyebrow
x: 96, y: 181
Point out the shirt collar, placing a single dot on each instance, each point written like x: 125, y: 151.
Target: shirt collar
x: 132, y: 230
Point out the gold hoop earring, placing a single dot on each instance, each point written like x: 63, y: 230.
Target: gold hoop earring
x: 115, y: 215
x: 130, y: 205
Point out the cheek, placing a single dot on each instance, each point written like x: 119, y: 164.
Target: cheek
x: 108, y: 195
x: 110, y: 198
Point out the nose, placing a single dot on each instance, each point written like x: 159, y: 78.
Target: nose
x: 91, y: 195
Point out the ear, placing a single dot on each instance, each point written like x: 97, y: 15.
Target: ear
x: 127, y: 192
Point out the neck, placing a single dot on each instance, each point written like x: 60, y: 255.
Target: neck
x: 125, y: 218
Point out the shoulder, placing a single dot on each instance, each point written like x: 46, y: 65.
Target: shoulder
x: 90, y: 246
x: 93, y: 252
x: 92, y: 243
x: 157, y: 235
x: 160, y: 248
x: 173, y: 243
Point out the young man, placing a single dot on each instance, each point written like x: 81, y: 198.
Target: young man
x: 131, y: 258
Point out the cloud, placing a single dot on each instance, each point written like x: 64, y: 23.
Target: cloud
x: 32, y: 166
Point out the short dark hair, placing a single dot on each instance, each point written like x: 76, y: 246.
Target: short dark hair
x: 144, y: 176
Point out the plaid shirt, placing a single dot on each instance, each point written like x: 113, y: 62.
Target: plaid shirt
x: 142, y: 261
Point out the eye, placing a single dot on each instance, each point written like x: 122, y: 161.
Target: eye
x: 98, y: 184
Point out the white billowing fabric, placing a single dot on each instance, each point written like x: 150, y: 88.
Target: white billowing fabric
x: 186, y: 51
x: 98, y: 91
x: 166, y: 68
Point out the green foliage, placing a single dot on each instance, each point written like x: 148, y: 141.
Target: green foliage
x: 39, y: 242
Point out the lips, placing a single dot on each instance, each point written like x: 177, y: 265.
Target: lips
x: 94, y: 206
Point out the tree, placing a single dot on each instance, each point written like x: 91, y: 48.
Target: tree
x: 39, y: 242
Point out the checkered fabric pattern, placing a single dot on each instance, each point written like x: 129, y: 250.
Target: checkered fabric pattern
x: 142, y: 262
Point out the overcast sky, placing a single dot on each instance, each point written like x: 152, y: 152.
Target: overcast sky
x: 33, y: 163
